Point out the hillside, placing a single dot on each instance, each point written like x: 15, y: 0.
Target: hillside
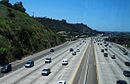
x: 70, y: 29
x: 21, y: 35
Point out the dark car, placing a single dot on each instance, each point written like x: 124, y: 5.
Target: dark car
x: 113, y: 57
x: 121, y: 82
x: 105, y: 55
x: 51, y: 50
x: 46, y: 72
x: 126, y: 73
x: 71, y: 49
x: 48, y: 60
x: 125, y: 53
x: 6, y: 68
x: 105, y: 49
x: 127, y: 63
x: 102, y: 50
x: 29, y: 64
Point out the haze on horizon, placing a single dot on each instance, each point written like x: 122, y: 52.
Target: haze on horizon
x: 101, y: 15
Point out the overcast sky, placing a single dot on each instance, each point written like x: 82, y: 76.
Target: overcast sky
x: 102, y: 15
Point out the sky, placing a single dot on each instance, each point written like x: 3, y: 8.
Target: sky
x: 101, y: 15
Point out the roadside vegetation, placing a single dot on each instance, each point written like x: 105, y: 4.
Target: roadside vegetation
x: 21, y: 35
x: 120, y: 38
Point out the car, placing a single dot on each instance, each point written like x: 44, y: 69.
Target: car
x: 61, y: 82
x: 105, y: 55
x: 71, y: 49
x: 73, y: 53
x: 48, y: 60
x: 127, y: 63
x: 6, y: 68
x: 105, y: 49
x: 64, y: 62
x: 126, y: 73
x: 51, y: 50
x: 125, y: 53
x: 110, y: 46
x: 121, y: 82
x: 113, y: 57
x: 77, y: 50
x: 102, y: 50
x: 29, y: 64
x: 46, y: 72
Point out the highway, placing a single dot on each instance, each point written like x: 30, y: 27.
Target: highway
x: 88, y: 66
x: 19, y: 63
x: 110, y: 70
x: 58, y: 72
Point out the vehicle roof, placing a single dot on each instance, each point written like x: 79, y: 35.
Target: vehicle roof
x: 30, y: 61
x: 48, y: 58
x: 65, y: 59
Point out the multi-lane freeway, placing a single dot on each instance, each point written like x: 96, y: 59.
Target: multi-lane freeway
x: 88, y: 66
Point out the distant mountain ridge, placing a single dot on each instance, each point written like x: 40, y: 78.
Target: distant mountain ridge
x: 71, y: 29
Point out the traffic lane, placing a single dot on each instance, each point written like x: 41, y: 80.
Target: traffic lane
x: 120, y: 67
x: 34, y: 77
x: 119, y: 53
x: 23, y: 75
x: 82, y: 68
x: 105, y: 74
x: 92, y: 74
x: 70, y: 70
x: 116, y: 68
x: 120, y: 46
x: 57, y: 69
x: 20, y: 63
x: 22, y: 72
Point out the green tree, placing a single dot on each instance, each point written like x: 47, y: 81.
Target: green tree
x: 6, y: 3
x: 19, y: 6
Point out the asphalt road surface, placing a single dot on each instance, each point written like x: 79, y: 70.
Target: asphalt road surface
x: 88, y: 66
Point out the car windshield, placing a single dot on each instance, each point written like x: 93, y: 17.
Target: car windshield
x: 29, y: 62
x: 48, y: 58
x: 45, y: 69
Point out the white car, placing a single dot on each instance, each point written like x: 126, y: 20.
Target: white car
x: 48, y: 60
x: 61, y: 82
x: 64, y: 62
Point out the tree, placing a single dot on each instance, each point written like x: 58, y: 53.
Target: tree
x: 19, y: 6
x: 6, y: 3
